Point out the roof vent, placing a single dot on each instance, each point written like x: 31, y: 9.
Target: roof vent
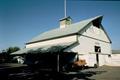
x: 65, y: 22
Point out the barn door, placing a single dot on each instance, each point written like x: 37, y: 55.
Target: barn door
x: 97, y: 51
x: 97, y: 59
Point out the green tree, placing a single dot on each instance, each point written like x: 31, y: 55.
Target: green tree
x: 12, y: 49
x: 6, y: 53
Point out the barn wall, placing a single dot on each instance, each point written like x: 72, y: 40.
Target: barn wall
x: 85, y: 46
x: 91, y: 60
x: 53, y: 42
x: 93, y: 36
x: 113, y: 60
x: 97, y: 33
x: 102, y: 59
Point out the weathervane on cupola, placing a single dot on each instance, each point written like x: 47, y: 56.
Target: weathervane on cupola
x: 66, y: 21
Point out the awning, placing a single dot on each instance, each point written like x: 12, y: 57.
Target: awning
x: 26, y: 50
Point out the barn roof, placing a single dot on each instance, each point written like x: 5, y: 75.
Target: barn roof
x: 60, y: 32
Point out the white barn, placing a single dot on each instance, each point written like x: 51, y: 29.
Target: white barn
x: 88, y: 38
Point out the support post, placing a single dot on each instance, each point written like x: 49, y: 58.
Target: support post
x: 58, y: 58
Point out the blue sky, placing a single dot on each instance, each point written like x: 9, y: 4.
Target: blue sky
x: 21, y: 20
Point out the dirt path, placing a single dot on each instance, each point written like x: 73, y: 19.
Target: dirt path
x: 104, y: 73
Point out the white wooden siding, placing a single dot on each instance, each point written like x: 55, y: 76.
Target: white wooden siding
x: 53, y: 41
x: 86, y: 46
x: 113, y: 60
x: 96, y: 33
x: 87, y: 41
x: 93, y: 36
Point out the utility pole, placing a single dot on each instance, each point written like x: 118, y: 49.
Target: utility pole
x: 65, y: 9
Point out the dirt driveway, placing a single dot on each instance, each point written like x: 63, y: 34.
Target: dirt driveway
x: 103, y: 73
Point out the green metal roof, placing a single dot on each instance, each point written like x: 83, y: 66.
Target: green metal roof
x: 71, y: 29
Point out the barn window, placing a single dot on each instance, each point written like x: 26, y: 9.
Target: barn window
x: 97, y: 49
x: 96, y: 23
x: 109, y: 55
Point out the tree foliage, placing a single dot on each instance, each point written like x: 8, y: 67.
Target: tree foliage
x: 5, y: 54
x: 12, y: 49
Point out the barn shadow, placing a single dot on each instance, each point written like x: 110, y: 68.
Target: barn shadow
x: 50, y: 75
x: 82, y: 75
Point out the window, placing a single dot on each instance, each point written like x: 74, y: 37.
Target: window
x: 96, y: 23
x: 109, y: 55
x: 97, y: 49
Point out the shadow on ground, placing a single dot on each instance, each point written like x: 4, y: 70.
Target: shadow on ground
x: 83, y: 75
x: 28, y: 73
x: 21, y: 74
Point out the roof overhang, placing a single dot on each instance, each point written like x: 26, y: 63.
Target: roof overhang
x: 48, y: 48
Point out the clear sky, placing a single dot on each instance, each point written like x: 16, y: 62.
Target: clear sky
x: 21, y: 20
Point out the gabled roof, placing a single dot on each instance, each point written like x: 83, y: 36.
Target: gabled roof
x: 71, y: 29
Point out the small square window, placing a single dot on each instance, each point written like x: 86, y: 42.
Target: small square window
x: 109, y: 55
x: 97, y: 49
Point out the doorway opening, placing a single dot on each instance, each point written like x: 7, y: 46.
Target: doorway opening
x: 97, y: 51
